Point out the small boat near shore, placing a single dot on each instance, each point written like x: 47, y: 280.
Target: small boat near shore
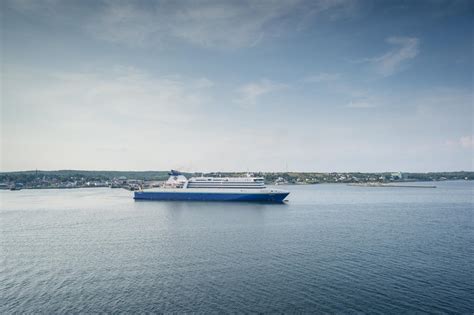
x: 178, y: 187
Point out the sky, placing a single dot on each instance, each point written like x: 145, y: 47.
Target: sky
x: 320, y: 85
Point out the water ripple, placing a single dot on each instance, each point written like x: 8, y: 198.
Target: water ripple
x: 328, y: 251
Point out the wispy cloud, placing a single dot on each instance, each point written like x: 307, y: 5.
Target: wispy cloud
x: 78, y: 114
x: 221, y: 24
x: 213, y: 23
x: 203, y: 83
x: 393, y: 61
x: 251, y: 92
x: 125, y: 91
x: 360, y: 104
x: 464, y: 142
x: 467, y: 142
x: 406, y: 48
x: 322, y: 77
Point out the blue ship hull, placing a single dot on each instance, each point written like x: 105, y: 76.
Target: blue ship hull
x: 207, y: 196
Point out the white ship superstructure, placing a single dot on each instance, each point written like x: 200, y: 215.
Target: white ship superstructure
x: 226, y: 182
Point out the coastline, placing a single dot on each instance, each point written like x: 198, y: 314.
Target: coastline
x: 399, y: 184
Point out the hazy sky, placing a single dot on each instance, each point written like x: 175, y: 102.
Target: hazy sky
x: 320, y: 85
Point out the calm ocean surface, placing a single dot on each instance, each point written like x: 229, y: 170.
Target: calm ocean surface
x: 332, y: 248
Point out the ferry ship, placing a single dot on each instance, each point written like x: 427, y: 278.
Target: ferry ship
x: 178, y: 187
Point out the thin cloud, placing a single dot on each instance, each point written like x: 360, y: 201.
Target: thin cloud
x: 251, y: 92
x: 73, y: 114
x: 406, y: 48
x: 467, y: 142
x: 360, y: 104
x: 126, y: 92
x: 204, y: 83
x: 211, y: 24
x: 322, y: 77
x: 214, y: 24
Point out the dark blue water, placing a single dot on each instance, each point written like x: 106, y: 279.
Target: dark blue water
x: 332, y: 248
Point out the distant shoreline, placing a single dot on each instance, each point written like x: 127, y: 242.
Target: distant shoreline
x: 131, y: 180
x: 376, y: 185
x: 368, y: 184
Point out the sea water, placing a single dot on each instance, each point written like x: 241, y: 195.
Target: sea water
x: 331, y: 248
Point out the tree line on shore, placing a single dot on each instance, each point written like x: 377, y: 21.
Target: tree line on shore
x: 62, y: 176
